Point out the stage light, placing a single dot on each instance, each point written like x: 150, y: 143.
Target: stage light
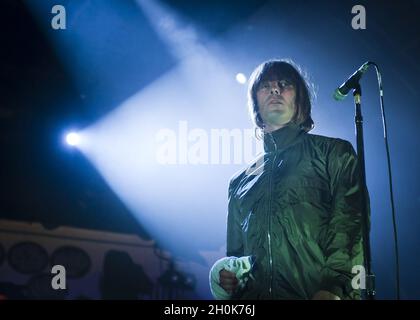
x: 240, y: 77
x: 73, y: 139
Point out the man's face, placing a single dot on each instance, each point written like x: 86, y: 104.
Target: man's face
x: 276, y: 103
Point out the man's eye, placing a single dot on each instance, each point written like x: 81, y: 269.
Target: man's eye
x: 283, y: 84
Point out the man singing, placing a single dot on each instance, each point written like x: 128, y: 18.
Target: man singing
x: 295, y: 213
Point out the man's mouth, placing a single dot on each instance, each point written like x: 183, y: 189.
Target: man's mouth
x: 275, y: 101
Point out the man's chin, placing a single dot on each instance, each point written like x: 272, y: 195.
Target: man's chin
x: 275, y: 113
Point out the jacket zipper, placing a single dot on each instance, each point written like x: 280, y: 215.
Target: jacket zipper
x: 269, y: 219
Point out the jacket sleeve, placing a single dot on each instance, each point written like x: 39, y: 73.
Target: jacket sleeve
x: 343, y: 239
x: 234, y: 244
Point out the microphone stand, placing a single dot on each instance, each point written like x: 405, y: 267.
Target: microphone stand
x: 370, y: 277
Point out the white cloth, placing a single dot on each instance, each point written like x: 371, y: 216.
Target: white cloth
x: 240, y: 266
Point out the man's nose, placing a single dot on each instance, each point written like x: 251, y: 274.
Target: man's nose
x: 275, y: 90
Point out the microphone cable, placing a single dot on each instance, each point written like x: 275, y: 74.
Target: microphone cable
x: 394, y: 223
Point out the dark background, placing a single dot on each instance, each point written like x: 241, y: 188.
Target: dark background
x: 43, y: 182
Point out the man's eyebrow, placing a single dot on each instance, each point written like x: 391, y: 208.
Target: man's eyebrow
x: 271, y: 80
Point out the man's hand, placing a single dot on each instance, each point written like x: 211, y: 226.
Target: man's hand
x: 325, y: 295
x: 228, y: 280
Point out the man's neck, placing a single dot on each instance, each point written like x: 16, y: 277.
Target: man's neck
x: 282, y: 138
x: 270, y: 128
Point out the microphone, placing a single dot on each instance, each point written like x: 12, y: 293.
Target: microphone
x: 341, y: 92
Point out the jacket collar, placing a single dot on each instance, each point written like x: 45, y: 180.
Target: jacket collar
x: 282, y: 138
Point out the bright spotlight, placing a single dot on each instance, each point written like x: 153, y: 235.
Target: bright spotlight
x: 240, y: 77
x: 73, y: 138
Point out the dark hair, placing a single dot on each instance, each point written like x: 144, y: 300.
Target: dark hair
x: 288, y: 70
